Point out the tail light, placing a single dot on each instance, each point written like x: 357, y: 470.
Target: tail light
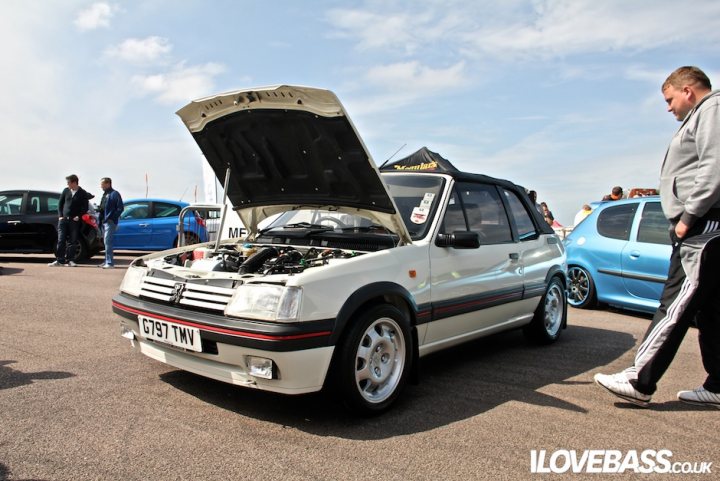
x: 90, y: 220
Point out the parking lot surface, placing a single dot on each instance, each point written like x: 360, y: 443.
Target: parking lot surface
x: 77, y: 403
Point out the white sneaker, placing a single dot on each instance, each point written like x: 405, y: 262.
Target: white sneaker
x: 700, y: 396
x: 56, y: 264
x: 71, y: 264
x: 108, y: 266
x: 619, y: 385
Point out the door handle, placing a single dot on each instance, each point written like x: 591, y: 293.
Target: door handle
x: 143, y: 225
x: 514, y: 256
x: 634, y: 254
x: 14, y: 222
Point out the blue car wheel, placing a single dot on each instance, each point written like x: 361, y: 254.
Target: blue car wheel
x: 581, y: 292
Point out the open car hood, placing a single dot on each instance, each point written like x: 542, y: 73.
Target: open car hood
x: 289, y: 147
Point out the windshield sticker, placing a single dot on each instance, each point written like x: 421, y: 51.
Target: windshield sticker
x: 419, y: 215
x: 427, y: 200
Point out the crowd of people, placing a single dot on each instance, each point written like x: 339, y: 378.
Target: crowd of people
x: 616, y: 193
x: 73, y: 204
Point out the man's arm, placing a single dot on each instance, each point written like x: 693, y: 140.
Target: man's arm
x: 706, y: 191
x: 61, y: 205
x: 85, y: 206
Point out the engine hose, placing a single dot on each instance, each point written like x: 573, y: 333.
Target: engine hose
x: 255, y: 261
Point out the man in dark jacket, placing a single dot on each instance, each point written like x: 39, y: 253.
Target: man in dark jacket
x: 615, y: 194
x: 73, y: 204
x: 111, y: 206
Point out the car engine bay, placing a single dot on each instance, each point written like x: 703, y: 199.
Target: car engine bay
x: 257, y: 259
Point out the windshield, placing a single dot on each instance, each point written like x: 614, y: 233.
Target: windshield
x: 416, y: 197
x: 321, y: 220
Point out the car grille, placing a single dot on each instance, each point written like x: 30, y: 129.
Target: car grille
x: 195, y: 295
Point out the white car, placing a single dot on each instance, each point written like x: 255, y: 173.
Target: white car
x: 363, y: 270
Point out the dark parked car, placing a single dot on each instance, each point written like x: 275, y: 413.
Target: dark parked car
x: 151, y: 225
x: 619, y: 255
x: 28, y: 224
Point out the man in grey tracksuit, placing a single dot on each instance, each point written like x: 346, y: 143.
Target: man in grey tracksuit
x: 690, y: 197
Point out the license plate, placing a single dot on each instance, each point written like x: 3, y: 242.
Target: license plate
x: 170, y: 333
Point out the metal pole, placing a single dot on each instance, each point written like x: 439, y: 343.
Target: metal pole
x: 224, y: 209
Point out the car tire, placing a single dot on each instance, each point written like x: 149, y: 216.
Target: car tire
x: 52, y: 244
x: 374, y: 360
x: 550, y: 316
x: 581, y: 289
x: 82, y: 252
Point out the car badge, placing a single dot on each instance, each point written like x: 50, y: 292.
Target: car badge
x: 176, y: 294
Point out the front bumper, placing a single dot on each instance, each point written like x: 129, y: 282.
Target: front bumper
x: 301, y: 354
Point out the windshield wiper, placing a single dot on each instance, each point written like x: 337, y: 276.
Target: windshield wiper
x: 368, y: 228
x: 299, y: 225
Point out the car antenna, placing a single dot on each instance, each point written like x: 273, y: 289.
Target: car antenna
x: 393, y: 155
x: 183, y: 194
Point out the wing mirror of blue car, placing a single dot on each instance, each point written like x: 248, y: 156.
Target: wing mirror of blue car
x: 459, y: 240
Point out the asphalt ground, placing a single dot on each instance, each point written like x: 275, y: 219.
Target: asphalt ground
x: 76, y: 403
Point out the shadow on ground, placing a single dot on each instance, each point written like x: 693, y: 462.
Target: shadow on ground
x: 454, y: 385
x: 5, y: 475
x: 122, y: 259
x: 10, y: 378
x: 8, y: 271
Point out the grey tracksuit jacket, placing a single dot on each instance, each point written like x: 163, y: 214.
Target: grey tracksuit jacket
x: 690, y: 174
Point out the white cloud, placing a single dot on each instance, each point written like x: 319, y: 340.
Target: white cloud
x: 138, y: 50
x: 400, y: 27
x: 404, y: 83
x: 380, y: 29
x: 96, y: 16
x: 521, y: 30
x: 413, y: 76
x: 181, y: 84
x: 560, y: 28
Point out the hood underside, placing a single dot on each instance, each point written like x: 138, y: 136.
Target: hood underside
x: 288, y: 147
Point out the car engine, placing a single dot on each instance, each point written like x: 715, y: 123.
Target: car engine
x: 257, y: 259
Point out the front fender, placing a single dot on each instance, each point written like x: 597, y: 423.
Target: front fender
x: 370, y: 294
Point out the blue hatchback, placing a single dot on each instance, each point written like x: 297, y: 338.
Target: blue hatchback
x: 151, y: 225
x: 619, y: 255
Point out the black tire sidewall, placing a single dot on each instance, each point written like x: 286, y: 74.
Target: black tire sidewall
x: 81, y: 251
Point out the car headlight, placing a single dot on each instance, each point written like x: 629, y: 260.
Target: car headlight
x: 265, y: 302
x: 132, y: 281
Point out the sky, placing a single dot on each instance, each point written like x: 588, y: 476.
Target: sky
x: 560, y: 96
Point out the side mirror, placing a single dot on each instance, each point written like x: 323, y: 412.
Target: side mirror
x: 459, y: 240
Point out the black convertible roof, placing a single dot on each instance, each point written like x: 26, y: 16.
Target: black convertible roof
x: 425, y: 160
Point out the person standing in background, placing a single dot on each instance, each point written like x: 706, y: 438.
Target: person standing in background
x: 547, y: 214
x: 72, y: 205
x: 582, y: 213
x: 615, y: 194
x: 111, y: 206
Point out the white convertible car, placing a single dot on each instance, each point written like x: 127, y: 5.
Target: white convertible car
x: 362, y: 271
